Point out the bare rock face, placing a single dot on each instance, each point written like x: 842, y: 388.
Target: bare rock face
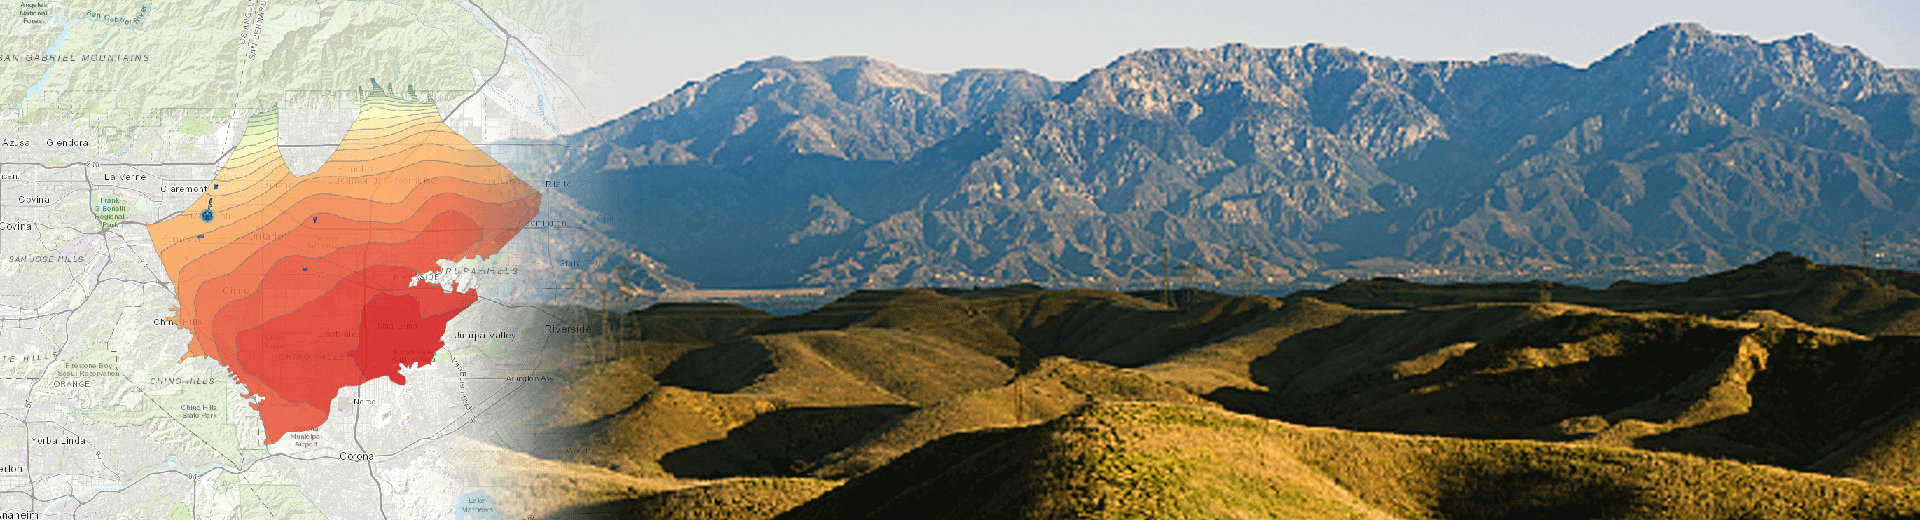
x: 1683, y: 146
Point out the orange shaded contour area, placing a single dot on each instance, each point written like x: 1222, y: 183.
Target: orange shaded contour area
x: 303, y: 285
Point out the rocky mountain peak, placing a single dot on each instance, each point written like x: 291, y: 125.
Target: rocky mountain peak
x: 852, y: 108
x: 1678, y: 41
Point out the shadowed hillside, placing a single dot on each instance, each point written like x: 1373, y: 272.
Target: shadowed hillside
x: 1636, y: 401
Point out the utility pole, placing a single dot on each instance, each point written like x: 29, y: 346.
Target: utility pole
x: 1166, y: 275
x: 1866, y: 246
x: 606, y: 319
x: 1018, y: 383
x: 1246, y: 268
x: 1019, y: 397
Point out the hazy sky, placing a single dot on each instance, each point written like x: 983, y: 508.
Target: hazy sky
x: 651, y: 48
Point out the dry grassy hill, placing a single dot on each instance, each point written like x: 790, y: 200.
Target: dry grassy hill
x: 1638, y: 401
x: 1152, y: 460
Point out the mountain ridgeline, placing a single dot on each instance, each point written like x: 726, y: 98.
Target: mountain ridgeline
x: 1780, y: 390
x: 1683, y: 147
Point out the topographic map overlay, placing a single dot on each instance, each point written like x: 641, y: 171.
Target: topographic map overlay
x: 274, y: 259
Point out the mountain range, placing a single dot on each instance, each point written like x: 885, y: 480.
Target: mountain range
x: 1685, y: 149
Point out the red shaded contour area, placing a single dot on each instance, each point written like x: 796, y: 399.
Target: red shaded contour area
x: 350, y: 327
x: 301, y: 285
x: 311, y: 370
x: 395, y: 331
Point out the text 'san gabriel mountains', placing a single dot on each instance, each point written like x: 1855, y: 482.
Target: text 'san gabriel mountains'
x: 1683, y: 147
